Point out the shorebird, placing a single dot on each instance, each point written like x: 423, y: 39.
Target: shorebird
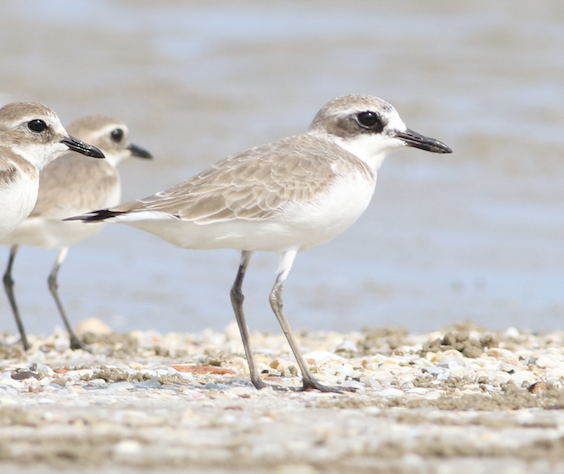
x: 68, y: 186
x: 31, y: 136
x: 284, y: 197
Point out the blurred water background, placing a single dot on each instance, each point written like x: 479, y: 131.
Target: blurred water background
x: 478, y: 234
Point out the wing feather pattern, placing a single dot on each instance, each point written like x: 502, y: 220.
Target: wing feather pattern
x: 255, y: 184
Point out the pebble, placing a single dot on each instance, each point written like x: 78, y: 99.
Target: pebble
x: 151, y: 383
x: 127, y: 447
x: 93, y: 325
x: 432, y: 395
x: 391, y: 392
x: 121, y: 386
x: 545, y: 362
x: 209, y: 366
x: 216, y: 386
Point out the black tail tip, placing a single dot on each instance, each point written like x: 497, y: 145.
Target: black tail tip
x: 95, y: 216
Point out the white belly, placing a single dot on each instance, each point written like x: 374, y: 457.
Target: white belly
x: 50, y: 233
x: 16, y: 202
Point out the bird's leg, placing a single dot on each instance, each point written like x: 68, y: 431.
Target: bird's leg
x: 308, y: 380
x: 75, y: 342
x: 237, y: 299
x: 9, y: 288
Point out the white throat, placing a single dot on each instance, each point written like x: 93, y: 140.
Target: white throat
x: 40, y: 155
x: 372, y: 149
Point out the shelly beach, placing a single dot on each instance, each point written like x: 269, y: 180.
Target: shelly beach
x: 463, y: 396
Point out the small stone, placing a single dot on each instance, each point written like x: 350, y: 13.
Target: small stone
x: 545, y: 362
x: 556, y: 372
x: 436, y: 371
x: 347, y: 346
x: 370, y: 382
x: 537, y: 387
x: 151, y: 383
x: 322, y: 357
x: 62, y: 343
x: 93, y: 325
x: 121, y: 386
x: 451, y: 362
x: 40, y: 368
x: 232, y: 332
x: 4, y: 401
x: 202, y: 369
x: 512, y: 333
x: 509, y: 368
x: 433, y: 395
x: 373, y: 411
x: 243, y: 392
x: 193, y: 395
x: 127, y: 447
x: 500, y: 353
x: 391, y: 392
x: 554, y: 383
x: 23, y: 375
x: 136, y: 366
x: 285, y: 367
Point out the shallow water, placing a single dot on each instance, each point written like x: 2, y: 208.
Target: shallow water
x: 478, y: 234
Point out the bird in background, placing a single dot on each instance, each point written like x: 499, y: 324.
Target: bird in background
x: 284, y: 197
x: 68, y: 186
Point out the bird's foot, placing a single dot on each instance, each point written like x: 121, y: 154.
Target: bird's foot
x: 308, y: 384
x: 259, y: 384
x: 76, y: 343
x: 313, y: 384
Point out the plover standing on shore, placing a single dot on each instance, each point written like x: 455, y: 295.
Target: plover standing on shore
x: 283, y: 197
x: 69, y: 186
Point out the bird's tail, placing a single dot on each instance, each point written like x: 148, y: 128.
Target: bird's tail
x: 95, y: 216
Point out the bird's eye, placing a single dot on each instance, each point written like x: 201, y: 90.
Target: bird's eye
x: 117, y: 135
x: 36, y: 125
x: 369, y: 119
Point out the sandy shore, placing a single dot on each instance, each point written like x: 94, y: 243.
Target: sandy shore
x: 457, y: 400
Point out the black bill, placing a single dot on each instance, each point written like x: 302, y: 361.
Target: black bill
x: 79, y: 146
x: 139, y: 152
x: 417, y: 140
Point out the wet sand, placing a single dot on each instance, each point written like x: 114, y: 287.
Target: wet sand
x: 462, y: 400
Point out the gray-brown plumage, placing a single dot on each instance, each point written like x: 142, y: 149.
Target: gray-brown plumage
x: 255, y: 184
x: 283, y: 197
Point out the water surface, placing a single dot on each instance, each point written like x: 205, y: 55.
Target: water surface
x: 477, y: 234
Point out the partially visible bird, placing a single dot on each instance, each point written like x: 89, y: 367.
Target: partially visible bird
x: 31, y: 136
x: 68, y: 186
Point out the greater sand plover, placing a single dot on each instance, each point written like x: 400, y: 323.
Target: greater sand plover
x: 284, y: 197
